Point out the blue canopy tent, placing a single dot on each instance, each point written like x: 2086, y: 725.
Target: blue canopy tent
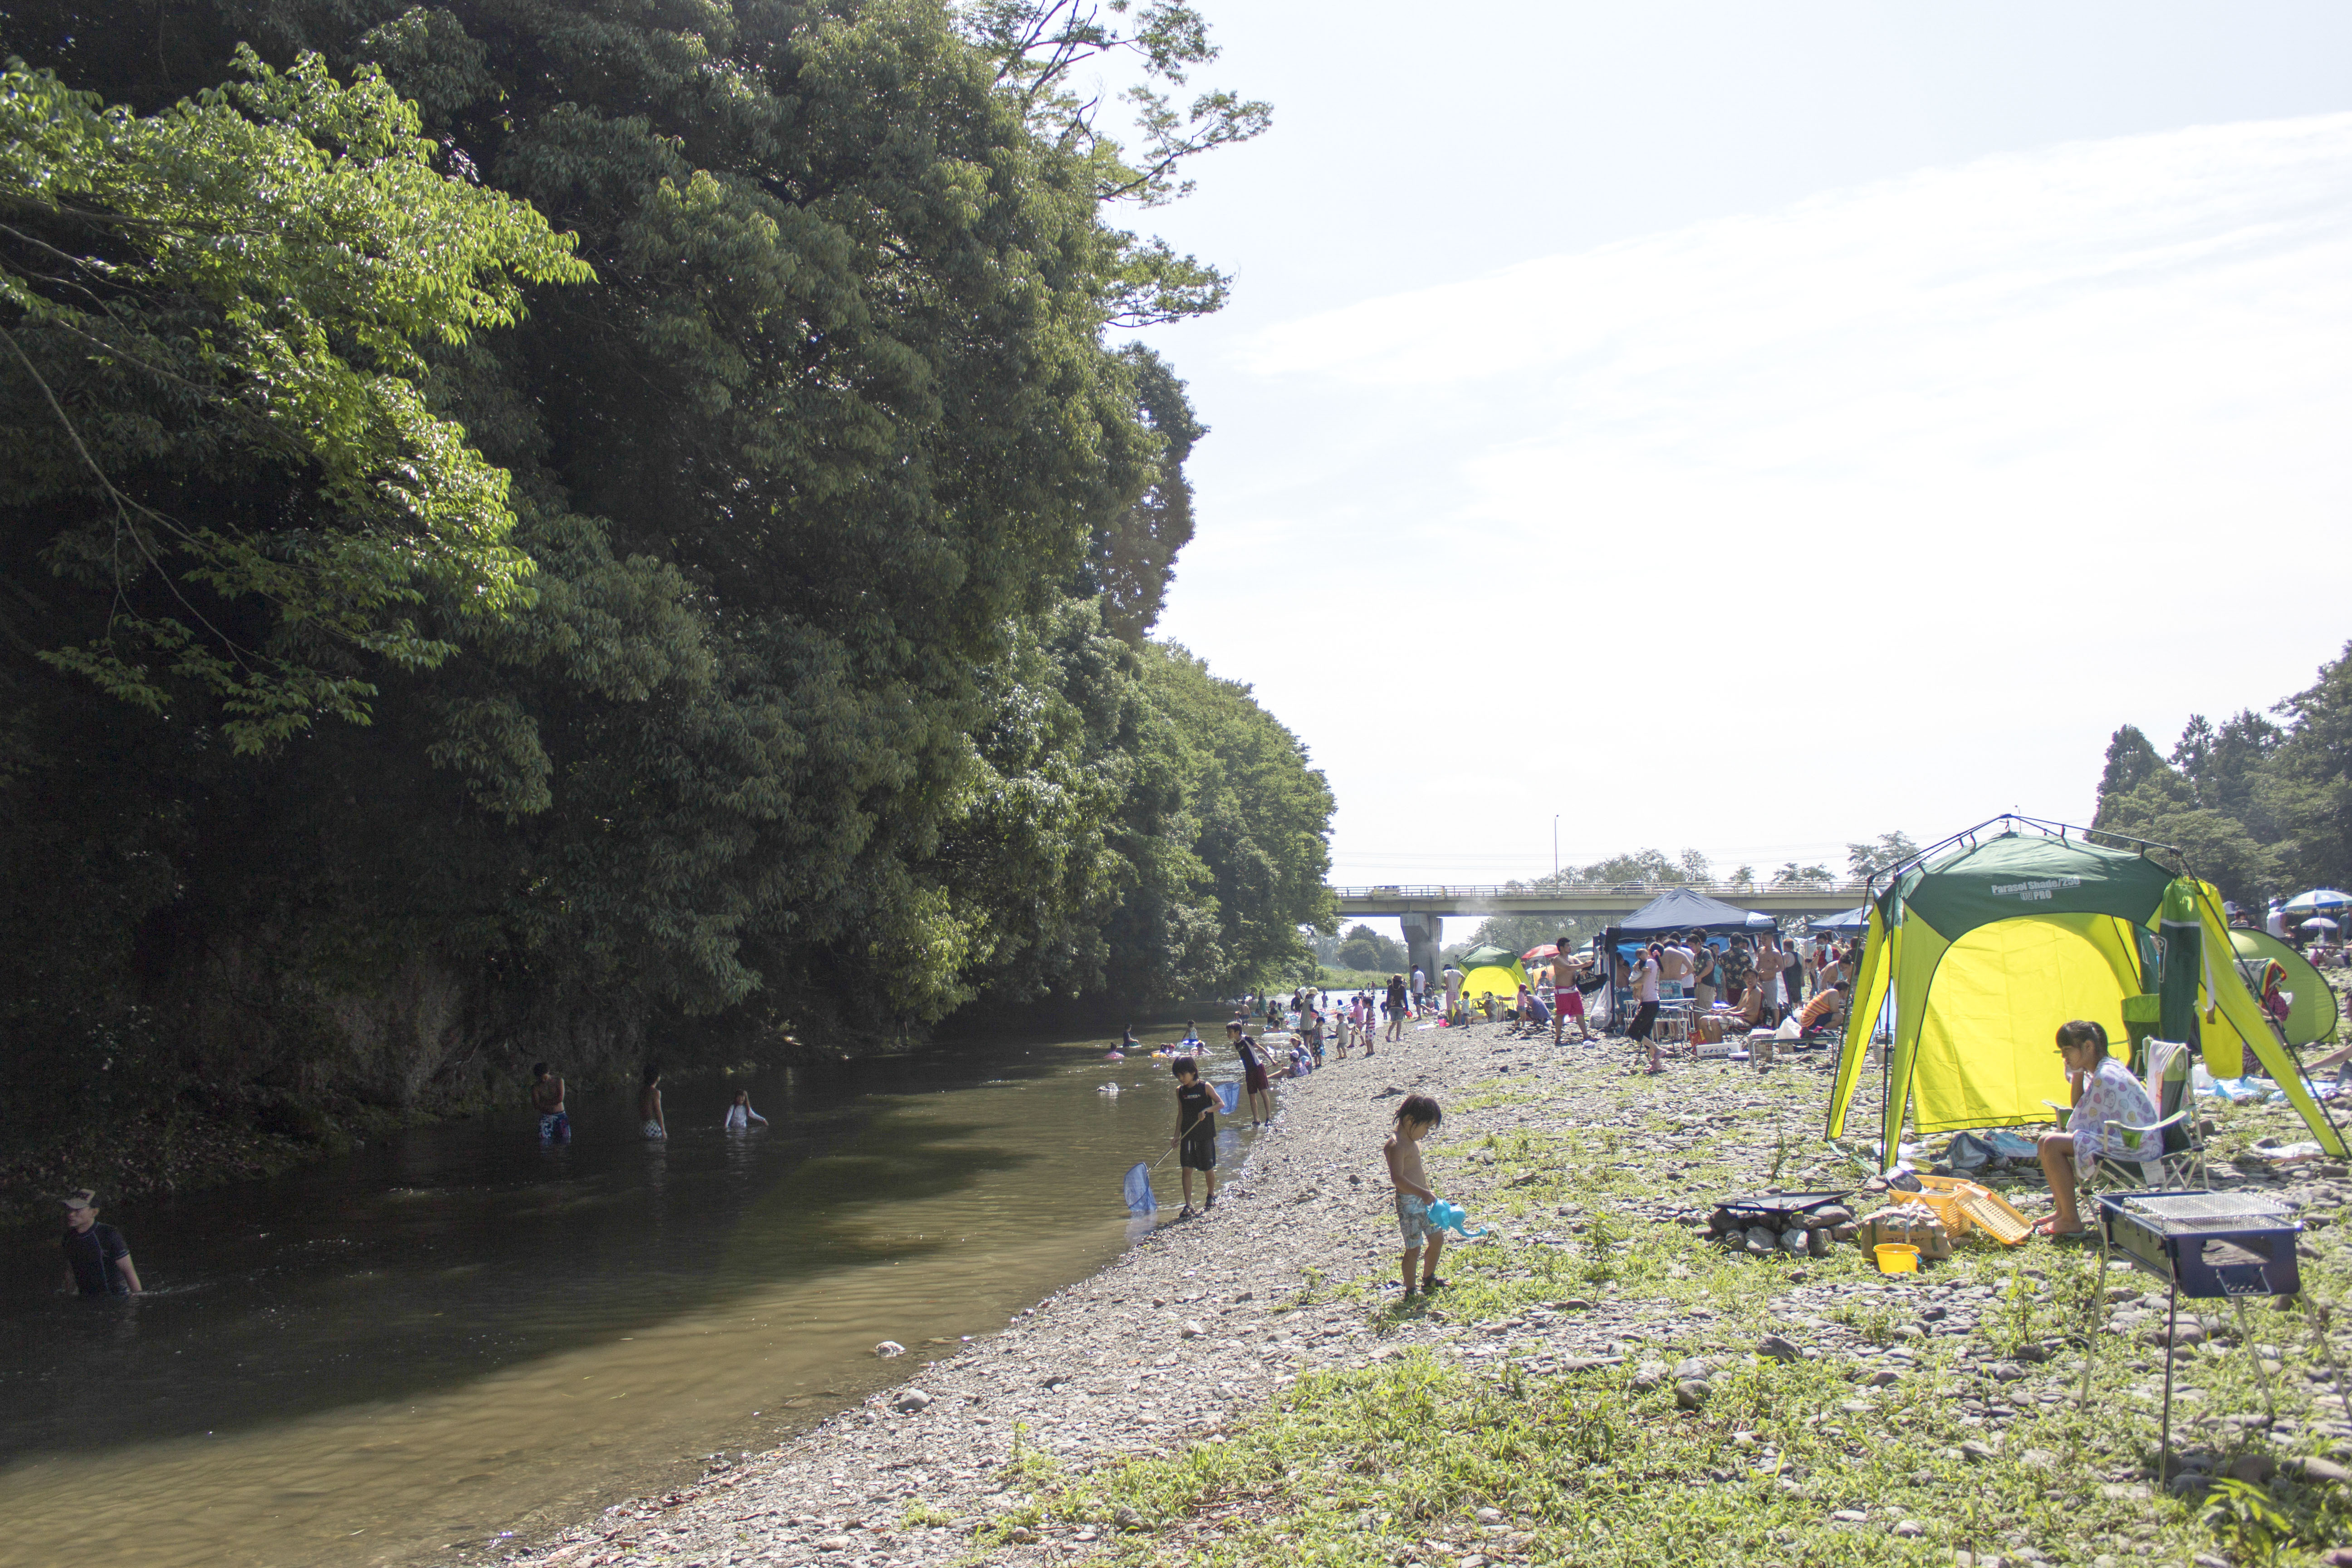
x: 1676, y: 911
x: 1852, y: 923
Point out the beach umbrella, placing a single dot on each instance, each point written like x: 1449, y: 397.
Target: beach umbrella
x: 1853, y: 920
x: 2319, y: 922
x: 2319, y: 900
x: 1549, y: 949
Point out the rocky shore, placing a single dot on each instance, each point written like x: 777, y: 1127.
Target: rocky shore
x: 1601, y: 1282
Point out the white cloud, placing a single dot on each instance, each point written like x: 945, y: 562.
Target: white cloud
x: 2061, y: 435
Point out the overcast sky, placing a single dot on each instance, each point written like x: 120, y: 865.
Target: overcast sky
x: 1751, y: 427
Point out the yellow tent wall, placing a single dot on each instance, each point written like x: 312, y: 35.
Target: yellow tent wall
x: 1503, y: 983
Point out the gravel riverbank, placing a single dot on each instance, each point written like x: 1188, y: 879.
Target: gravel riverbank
x: 1599, y: 1181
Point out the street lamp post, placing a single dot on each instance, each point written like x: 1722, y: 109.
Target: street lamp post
x: 1555, y: 849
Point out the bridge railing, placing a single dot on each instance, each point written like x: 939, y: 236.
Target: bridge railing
x: 1729, y: 892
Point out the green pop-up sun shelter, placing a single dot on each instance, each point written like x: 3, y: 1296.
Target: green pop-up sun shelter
x: 1495, y: 969
x: 2311, y: 1017
x: 1990, y: 940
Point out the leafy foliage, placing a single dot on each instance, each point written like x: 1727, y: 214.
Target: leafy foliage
x: 1367, y: 951
x: 686, y: 437
x: 2259, y: 808
x: 223, y: 311
x: 1890, y: 850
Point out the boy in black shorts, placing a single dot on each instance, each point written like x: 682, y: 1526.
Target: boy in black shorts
x: 1196, y: 1132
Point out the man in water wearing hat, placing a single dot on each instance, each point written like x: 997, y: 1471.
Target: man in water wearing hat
x: 98, y: 1260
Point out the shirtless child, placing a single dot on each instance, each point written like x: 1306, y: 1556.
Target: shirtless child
x: 547, y: 1098
x: 1416, y: 1119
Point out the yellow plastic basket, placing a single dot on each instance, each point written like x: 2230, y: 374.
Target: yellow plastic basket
x: 1964, y: 1205
x: 1937, y: 1193
x: 1997, y: 1217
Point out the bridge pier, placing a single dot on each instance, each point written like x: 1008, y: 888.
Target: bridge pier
x: 1424, y: 936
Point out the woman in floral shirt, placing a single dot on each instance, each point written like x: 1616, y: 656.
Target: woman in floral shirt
x: 2104, y: 1091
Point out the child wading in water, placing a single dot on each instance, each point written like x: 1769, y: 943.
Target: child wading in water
x: 1196, y: 1131
x: 1416, y: 1119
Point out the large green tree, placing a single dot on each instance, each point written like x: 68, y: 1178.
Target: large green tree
x: 731, y: 614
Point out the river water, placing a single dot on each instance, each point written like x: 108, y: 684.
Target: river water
x: 458, y: 1331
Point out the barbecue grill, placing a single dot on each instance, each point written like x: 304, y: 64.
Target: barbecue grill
x: 2203, y: 1245
x: 2207, y: 1244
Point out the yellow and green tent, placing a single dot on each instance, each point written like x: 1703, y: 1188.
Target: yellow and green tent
x: 1495, y: 969
x: 2312, y: 1017
x: 1987, y: 943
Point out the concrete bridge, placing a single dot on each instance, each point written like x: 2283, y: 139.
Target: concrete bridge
x: 1422, y: 909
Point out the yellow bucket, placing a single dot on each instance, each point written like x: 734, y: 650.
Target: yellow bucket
x: 1897, y: 1257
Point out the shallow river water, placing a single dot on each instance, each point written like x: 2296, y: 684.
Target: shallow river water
x: 458, y: 1332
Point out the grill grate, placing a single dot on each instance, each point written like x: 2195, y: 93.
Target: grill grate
x: 2178, y: 1212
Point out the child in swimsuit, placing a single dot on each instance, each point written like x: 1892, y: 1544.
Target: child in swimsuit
x: 649, y: 1105
x: 1416, y: 1119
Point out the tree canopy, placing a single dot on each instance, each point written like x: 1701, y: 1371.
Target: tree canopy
x: 2259, y: 807
x: 547, y: 526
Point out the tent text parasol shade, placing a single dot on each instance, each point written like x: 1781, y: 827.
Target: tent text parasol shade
x: 1549, y: 949
x: 1850, y: 922
x: 2319, y: 922
x: 2319, y: 900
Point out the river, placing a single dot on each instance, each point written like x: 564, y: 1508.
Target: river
x: 457, y: 1331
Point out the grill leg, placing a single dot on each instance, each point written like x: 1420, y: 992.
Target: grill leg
x: 2164, y: 1443
x: 2246, y: 1337
x: 2098, y: 1313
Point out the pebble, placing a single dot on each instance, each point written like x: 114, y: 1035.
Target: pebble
x: 889, y: 1348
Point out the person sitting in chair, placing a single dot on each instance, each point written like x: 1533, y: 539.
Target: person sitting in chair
x: 1821, y: 1012
x: 2102, y: 1089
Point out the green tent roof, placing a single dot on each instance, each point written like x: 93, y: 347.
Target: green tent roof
x: 2027, y: 874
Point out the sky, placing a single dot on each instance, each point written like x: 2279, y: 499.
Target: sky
x: 1757, y: 426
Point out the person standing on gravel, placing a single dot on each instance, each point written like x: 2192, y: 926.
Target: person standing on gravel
x: 1703, y: 973
x: 1645, y: 1014
x: 1396, y: 1008
x: 1416, y: 1119
x: 1566, y: 998
x: 1452, y: 975
x: 1196, y: 1131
